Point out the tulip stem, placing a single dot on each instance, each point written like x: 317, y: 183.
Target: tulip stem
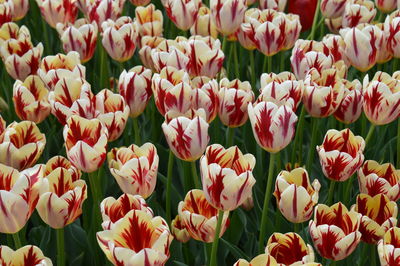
x: 298, y: 136
x: 314, y: 25
x: 267, y: 198
x: 213, y: 260
x: 310, y: 159
x: 169, y: 183
x: 230, y: 137
x: 194, y: 175
x: 235, y: 58
x: 252, y: 70
x: 60, y: 247
x: 267, y: 67
x: 398, y: 143
x: 369, y: 135
x: 136, y: 131
x: 347, y: 191
x: 103, y: 69
x: 296, y: 228
x: 93, y: 177
x: 330, y: 193
x: 17, y: 240
x: 282, y: 61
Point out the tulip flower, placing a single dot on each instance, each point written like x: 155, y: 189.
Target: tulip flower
x: 6, y: 11
x: 289, y: 249
x: 291, y: 31
x: 335, y: 231
x: 11, y: 30
x: 234, y: 96
x: 295, y: 195
x: 137, y: 239
x: 341, y: 154
x: 149, y: 20
x: 384, y: 52
x: 19, y: 194
x: 334, y: 24
x: 204, y: 25
x: 148, y: 43
x: 80, y: 37
x: 187, y: 136
x: 262, y: 259
x: 358, y: 12
x: 205, y: 96
x: 278, y: 5
x: 388, y: 247
x: 392, y: 28
x: 135, y: 168
x: 113, y: 210
x: 119, y: 38
x: 335, y: 46
x: 58, y: 11
x: 375, y: 178
x: 227, y: 176
x: 332, y: 8
x: 350, y: 108
x: 182, y: 13
x: 386, y: 6
x: 135, y: 87
x: 30, y: 99
x: 246, y: 32
x: 2, y: 128
x: 62, y: 203
x: 379, y: 214
x: 199, y: 217
x: 85, y: 143
x: 140, y: 2
x: 21, y: 7
x: 57, y: 67
x: 179, y: 230
x: 381, y: 98
x: 100, y: 11
x: 227, y: 15
x: 22, y: 144
x: 169, y: 53
x: 62, y: 162
x: 27, y: 255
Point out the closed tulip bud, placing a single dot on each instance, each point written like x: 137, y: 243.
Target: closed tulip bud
x: 334, y: 24
x: 204, y: 25
x: 389, y: 247
x: 54, y: 68
x: 85, y: 143
x: 169, y: 53
x: 273, y: 125
x: 80, y: 37
x: 270, y: 32
x: 26, y: 255
x: 137, y: 239
x: 62, y: 162
x: 11, y: 30
x: 281, y: 247
x: 135, y: 168
x: 335, y: 231
x: 113, y: 210
x: 357, y: 12
x: 22, y: 144
x: 227, y: 15
x: 149, y: 20
x: 148, y: 43
x: 234, y: 96
x: 278, y: 5
x: 30, y: 99
x: 291, y: 31
x: 335, y: 46
x: 384, y: 52
x: 227, y: 176
x: 205, y: 96
x: 247, y: 30
x: 378, y: 215
x: 6, y: 11
x: 262, y: 259
x: 58, y: 11
x: 386, y: 6
x: 332, y: 8
x: 375, y: 178
x: 179, y: 230
x: 19, y: 194
x: 182, y: 13
x: 2, y: 127
x: 295, y: 195
x: 392, y: 31
x: 140, y: 2
x: 199, y: 217
x: 381, y: 98
x: 21, y: 7
x: 350, y: 108
x: 119, y: 38
x: 100, y: 11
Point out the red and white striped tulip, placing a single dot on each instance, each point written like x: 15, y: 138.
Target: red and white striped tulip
x: 179, y: 230
x: 386, y: 6
x: 392, y: 31
x: 140, y: 2
x: 389, y: 247
x: 247, y: 30
x: 169, y: 53
x: 58, y: 11
x: 262, y: 259
x: 331, y: 9
x: 27, y: 255
x: 384, y: 53
x: 227, y: 15
x: 59, y: 161
x: 11, y: 30
x: 350, y: 108
x: 204, y: 25
x: 278, y: 5
x: 149, y: 20
x: 2, y: 127
x: 100, y: 11
x: 21, y: 7
x: 205, y: 96
x: 292, y: 28
x: 6, y: 11
x: 148, y: 43
x: 182, y: 13
x: 358, y: 12
x: 334, y: 45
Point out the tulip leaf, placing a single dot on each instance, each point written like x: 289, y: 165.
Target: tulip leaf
x: 236, y: 252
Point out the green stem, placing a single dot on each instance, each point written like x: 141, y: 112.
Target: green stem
x: 103, y: 69
x: 310, y: 159
x: 347, y: 190
x: 94, y: 183
x: 252, y: 70
x: 169, y: 183
x: 299, y: 136
x: 17, y: 240
x: 282, y: 61
x: 228, y: 67
x: 398, y: 143
x: 213, y: 260
x: 296, y: 228
x: 231, y: 135
x: 224, y: 40
x: 267, y: 198
x: 269, y: 62
x: 395, y: 65
x: 373, y: 255
x: 330, y: 193
x: 369, y: 135
x: 60, y: 247
x: 136, y: 131
x: 46, y: 38
x: 316, y: 14
x: 235, y: 58
x: 196, y: 181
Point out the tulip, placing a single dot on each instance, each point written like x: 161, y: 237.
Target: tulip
x: 205, y: 96
x: 2, y: 128
x: 199, y: 217
x: 11, y: 30
x: 113, y: 210
x: 335, y: 231
x: 341, y: 154
x: 262, y: 259
x: 392, y: 28
x: 148, y: 43
x: 137, y: 239
x: 182, y: 13
x: 358, y: 12
x: 140, y: 2
x: 204, y: 25
x: 119, y: 38
x: 227, y: 15
x: 85, y: 143
x: 80, y: 37
x: 100, y: 11
x: 379, y: 214
x: 187, y: 136
x: 135, y: 168
x: 179, y: 230
x: 149, y: 20
x: 234, y: 96
x: 6, y: 11
x: 22, y: 145
x: 291, y: 31
x: 19, y: 194
x: 384, y: 52
x: 169, y: 53
x: 386, y: 6
x: 21, y: 7
x: 62, y: 203
x: 388, y: 247
x: 334, y: 24
x: 295, y: 195
x: 27, y: 255
x: 289, y: 249
x: 58, y: 11
x: 350, y: 108
x: 246, y: 32
x: 335, y: 46
x: 54, y: 68
x: 278, y: 5
x: 62, y: 162
x: 30, y: 99
x: 375, y: 178
x: 332, y: 8
x: 381, y: 98
x: 226, y: 176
